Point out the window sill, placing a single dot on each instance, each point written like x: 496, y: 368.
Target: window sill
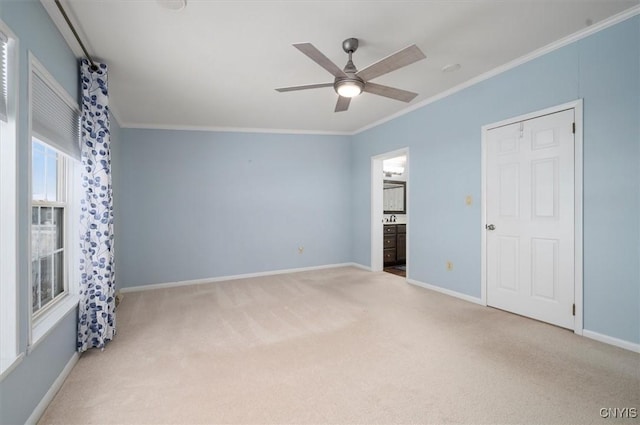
x: 45, y: 324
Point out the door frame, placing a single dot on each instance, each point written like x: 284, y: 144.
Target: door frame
x: 577, y: 219
x: 377, y: 215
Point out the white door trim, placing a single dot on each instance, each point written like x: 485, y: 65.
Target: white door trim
x: 377, y: 243
x: 578, y: 293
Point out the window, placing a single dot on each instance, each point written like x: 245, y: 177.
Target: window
x: 8, y: 215
x: 55, y: 212
x: 4, y: 48
x: 48, y: 277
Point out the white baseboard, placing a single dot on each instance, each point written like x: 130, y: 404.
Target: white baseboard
x: 621, y: 343
x: 231, y: 277
x: 53, y: 390
x: 360, y: 266
x: 627, y: 345
x: 449, y: 292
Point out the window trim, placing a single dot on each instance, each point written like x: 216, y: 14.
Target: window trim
x: 42, y: 322
x: 10, y: 355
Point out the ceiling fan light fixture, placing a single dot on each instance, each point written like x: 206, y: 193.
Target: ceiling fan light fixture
x: 349, y: 87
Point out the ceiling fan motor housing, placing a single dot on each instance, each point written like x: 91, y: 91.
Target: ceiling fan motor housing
x: 350, y: 45
x: 351, y: 85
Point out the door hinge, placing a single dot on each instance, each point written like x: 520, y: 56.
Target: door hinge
x: 573, y: 310
x: 573, y: 128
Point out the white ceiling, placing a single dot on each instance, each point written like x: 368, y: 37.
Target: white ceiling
x: 215, y: 64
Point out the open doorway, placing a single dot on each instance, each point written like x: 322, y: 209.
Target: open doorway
x: 389, y: 212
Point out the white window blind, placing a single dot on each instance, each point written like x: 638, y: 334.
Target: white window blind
x: 3, y: 75
x: 53, y: 120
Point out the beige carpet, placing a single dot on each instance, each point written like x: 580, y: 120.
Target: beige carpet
x: 333, y: 347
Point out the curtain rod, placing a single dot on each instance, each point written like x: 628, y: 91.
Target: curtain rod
x: 94, y: 67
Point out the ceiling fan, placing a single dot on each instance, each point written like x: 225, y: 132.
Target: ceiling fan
x: 349, y: 82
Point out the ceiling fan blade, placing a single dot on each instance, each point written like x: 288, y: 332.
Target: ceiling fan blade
x: 308, y: 86
x: 318, y: 57
x: 342, y: 104
x: 390, y: 92
x: 399, y: 59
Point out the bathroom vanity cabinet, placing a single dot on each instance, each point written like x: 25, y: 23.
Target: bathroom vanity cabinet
x: 395, y: 244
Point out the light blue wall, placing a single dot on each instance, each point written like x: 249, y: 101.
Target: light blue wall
x: 444, y: 139
x: 22, y: 390
x: 610, y: 85
x: 116, y: 160
x: 193, y: 205
x: 26, y: 385
x: 197, y: 204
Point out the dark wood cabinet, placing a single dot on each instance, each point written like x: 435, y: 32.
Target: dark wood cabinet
x: 395, y: 244
x: 401, y: 243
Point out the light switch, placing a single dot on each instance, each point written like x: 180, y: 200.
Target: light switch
x: 468, y: 200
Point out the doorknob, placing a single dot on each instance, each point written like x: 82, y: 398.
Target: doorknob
x: 490, y: 227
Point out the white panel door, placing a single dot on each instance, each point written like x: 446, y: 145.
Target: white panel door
x: 530, y: 218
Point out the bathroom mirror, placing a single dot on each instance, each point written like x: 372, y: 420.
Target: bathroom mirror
x: 394, y: 197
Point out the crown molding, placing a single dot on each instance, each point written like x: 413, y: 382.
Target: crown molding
x: 143, y: 126
x: 60, y: 23
x: 572, y: 38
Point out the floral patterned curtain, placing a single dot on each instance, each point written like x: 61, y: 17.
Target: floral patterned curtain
x: 96, y: 317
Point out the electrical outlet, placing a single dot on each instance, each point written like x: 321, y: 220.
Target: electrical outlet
x: 300, y: 249
x: 449, y: 266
